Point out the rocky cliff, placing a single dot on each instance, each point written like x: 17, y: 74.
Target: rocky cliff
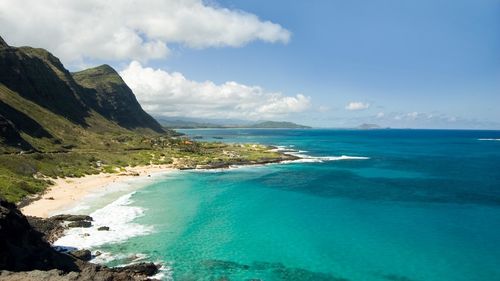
x: 26, y: 255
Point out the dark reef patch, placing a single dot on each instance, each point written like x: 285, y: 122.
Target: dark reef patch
x: 276, y: 271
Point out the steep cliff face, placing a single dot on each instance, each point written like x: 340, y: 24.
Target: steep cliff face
x: 108, y: 94
x: 41, y: 99
x: 41, y: 78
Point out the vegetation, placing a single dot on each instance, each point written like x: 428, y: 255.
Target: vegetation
x: 57, y: 124
x: 22, y: 174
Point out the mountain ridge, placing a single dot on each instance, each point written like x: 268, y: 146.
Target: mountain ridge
x: 113, y: 98
x: 194, y: 123
x: 57, y: 124
x: 37, y: 94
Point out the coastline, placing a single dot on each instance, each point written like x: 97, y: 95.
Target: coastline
x: 67, y: 192
x: 113, y: 222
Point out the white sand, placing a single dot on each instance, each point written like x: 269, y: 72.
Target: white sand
x: 68, y: 191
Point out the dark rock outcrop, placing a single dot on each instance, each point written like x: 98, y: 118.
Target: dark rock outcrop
x: 84, y: 255
x: 90, y: 273
x: 23, y: 248
x: 65, y: 217
x: 143, y: 268
x: 25, y: 255
x: 103, y: 228
x: 84, y: 224
x: 50, y: 229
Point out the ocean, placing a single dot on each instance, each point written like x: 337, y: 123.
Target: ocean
x: 374, y: 205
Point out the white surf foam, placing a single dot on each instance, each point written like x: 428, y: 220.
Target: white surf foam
x: 102, y: 196
x: 321, y: 159
x: 489, y: 139
x: 304, y: 158
x: 118, y: 216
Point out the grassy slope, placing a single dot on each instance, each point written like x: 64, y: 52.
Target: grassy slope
x: 75, y: 151
x: 106, y: 77
x: 112, y: 98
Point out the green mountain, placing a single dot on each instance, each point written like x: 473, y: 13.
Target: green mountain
x: 108, y: 95
x: 54, y: 123
x: 44, y: 106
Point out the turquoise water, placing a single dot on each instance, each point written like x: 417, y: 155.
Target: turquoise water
x: 424, y: 206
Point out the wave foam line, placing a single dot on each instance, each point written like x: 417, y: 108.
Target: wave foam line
x: 304, y: 158
x: 118, y: 216
x: 489, y: 139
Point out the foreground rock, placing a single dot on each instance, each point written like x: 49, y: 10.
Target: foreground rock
x: 94, y: 272
x: 52, y: 228
x: 26, y: 255
x: 84, y: 255
x: 84, y: 224
x: 72, y: 218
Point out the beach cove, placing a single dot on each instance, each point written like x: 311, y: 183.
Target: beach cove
x: 68, y: 192
x: 348, y: 210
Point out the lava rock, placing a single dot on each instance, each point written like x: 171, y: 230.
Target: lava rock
x: 51, y: 229
x: 143, y: 268
x: 23, y: 248
x: 66, y: 217
x: 84, y: 224
x: 84, y: 255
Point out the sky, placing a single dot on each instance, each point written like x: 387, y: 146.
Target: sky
x: 324, y: 63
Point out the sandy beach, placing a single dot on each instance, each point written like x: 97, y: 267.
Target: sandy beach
x: 68, y: 191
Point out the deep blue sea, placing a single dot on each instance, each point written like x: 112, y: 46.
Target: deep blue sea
x: 423, y: 206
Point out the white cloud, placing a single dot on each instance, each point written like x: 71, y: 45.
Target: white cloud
x: 357, y: 106
x: 172, y: 94
x: 380, y: 115
x: 129, y: 29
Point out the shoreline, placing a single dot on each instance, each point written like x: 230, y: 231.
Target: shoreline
x: 67, y: 192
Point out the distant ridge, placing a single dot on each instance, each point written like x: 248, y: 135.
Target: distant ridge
x: 278, y: 125
x: 194, y: 123
x: 366, y: 126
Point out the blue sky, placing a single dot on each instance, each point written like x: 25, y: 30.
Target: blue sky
x: 326, y: 63
x: 433, y: 57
